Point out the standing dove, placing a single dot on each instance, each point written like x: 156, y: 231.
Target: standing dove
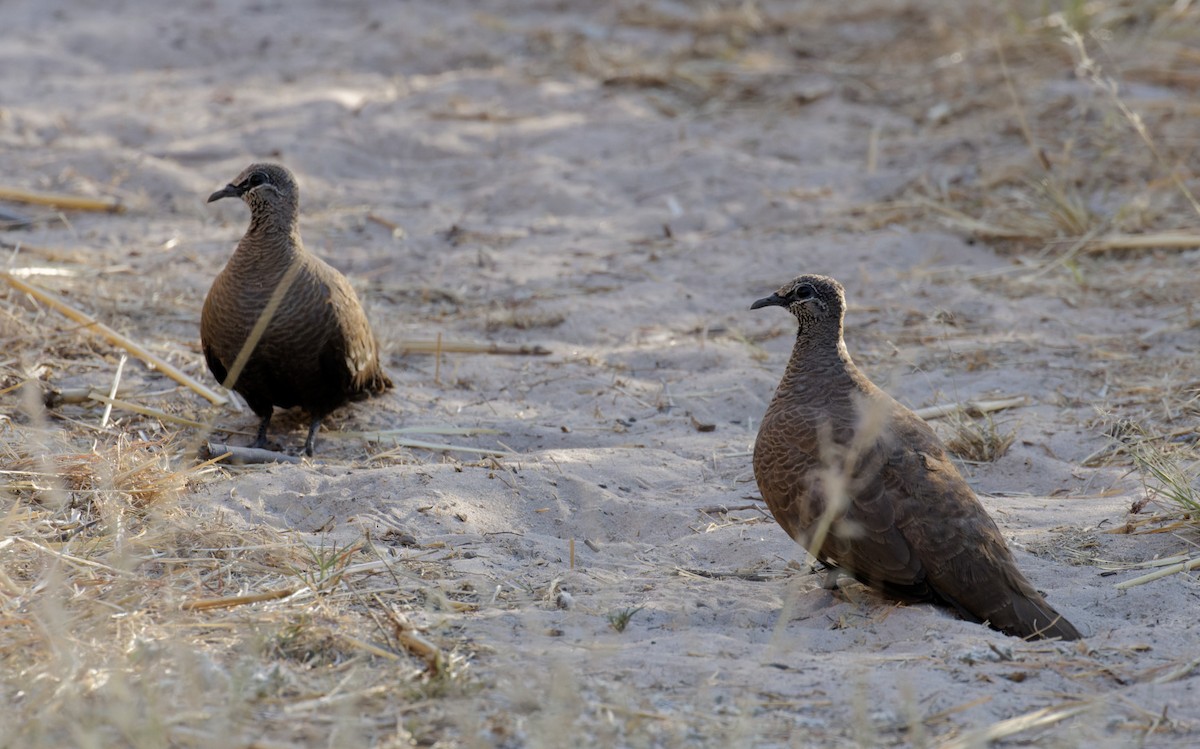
x: 865, y: 485
x: 294, y: 320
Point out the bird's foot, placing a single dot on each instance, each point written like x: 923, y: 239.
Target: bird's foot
x: 832, y: 574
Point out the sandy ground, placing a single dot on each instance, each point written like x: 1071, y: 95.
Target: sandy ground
x: 626, y: 226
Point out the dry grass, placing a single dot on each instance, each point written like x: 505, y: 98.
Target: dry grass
x: 121, y: 603
x: 1169, y: 474
x: 979, y: 440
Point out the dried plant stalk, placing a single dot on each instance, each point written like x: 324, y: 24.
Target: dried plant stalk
x: 58, y: 200
x: 111, y: 336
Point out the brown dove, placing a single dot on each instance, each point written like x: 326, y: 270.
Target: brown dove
x: 866, y: 486
x: 314, y: 348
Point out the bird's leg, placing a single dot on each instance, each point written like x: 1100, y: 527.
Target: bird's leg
x: 312, y: 435
x: 261, y: 440
x: 832, y: 573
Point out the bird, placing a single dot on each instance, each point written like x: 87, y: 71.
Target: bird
x: 280, y: 326
x: 866, y: 486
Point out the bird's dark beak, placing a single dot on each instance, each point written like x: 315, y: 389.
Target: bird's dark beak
x: 770, y: 301
x: 228, y: 191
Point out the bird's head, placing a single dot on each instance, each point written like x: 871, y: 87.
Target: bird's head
x: 816, y: 301
x: 261, y: 185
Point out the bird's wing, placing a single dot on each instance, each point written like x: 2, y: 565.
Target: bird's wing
x: 959, y: 545
x: 353, y: 345
x: 871, y: 542
x: 810, y: 483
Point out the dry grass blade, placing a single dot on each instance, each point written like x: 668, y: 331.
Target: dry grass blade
x: 1090, y: 69
x: 957, y: 219
x: 58, y: 200
x: 1178, y: 672
x: 1164, y: 476
x: 1158, y: 574
x: 1162, y: 240
x: 1005, y: 728
x: 111, y: 336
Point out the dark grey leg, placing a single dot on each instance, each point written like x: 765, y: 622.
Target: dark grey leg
x: 312, y: 436
x: 261, y: 439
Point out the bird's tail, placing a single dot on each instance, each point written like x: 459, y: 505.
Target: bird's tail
x: 1033, y: 619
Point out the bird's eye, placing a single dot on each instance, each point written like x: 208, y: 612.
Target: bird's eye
x: 805, y: 291
x: 256, y: 179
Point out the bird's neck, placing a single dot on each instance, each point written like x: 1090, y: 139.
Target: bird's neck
x: 274, y: 231
x: 819, y: 361
x: 269, y: 247
x: 273, y: 220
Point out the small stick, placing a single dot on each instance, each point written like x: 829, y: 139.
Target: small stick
x: 571, y: 544
x: 204, y: 604
x: 58, y: 200
x: 974, y: 408
x: 1165, y: 571
x: 112, y: 392
x: 368, y: 647
x: 386, y: 223
x: 396, y: 230
x: 416, y: 643
x: 56, y: 397
x: 467, y: 347
x: 111, y: 336
x: 247, y: 455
